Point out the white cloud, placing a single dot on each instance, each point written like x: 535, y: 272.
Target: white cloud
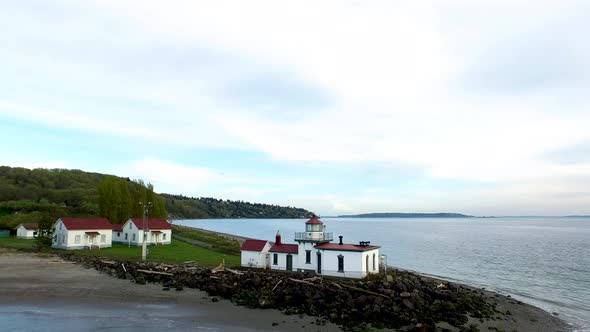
x: 171, y: 177
x: 394, y: 72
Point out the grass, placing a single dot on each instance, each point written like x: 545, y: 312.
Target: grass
x: 16, y: 243
x: 220, y: 243
x: 176, y: 252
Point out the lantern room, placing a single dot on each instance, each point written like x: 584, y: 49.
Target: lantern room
x: 314, y: 231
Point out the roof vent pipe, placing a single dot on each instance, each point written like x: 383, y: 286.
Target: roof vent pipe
x: 340, y: 237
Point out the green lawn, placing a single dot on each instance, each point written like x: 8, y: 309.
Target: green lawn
x: 16, y: 243
x: 219, y: 243
x: 176, y: 252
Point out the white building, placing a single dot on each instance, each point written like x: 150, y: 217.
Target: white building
x: 283, y: 255
x: 82, y: 233
x: 254, y: 253
x: 159, y: 231
x: 27, y: 231
x: 315, y: 252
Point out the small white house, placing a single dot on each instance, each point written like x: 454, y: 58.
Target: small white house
x: 27, y: 231
x: 82, y: 233
x: 158, y: 232
x: 314, y: 252
x: 118, y: 233
x: 254, y: 253
x: 283, y: 255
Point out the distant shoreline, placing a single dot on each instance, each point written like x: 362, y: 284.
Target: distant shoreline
x: 407, y: 215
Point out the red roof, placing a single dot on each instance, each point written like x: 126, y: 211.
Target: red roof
x: 253, y: 245
x: 86, y: 223
x: 152, y: 223
x: 344, y: 247
x: 31, y: 226
x: 285, y: 248
x: 314, y: 220
x: 117, y: 227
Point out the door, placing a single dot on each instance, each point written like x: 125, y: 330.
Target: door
x: 319, y: 263
x: 289, y: 262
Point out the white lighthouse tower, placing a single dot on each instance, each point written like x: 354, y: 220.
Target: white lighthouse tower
x: 315, y: 232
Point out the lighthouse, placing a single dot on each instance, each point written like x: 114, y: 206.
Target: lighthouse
x: 314, y: 253
x: 315, y: 232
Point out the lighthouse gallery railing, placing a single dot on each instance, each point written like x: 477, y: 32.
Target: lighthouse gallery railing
x: 310, y: 236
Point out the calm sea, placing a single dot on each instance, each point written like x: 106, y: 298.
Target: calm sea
x: 542, y: 261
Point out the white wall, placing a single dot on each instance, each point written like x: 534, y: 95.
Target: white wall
x: 301, y: 265
x: 66, y: 239
x: 24, y: 233
x: 130, y: 230
x: 282, y: 261
x: 354, y: 263
x: 253, y: 259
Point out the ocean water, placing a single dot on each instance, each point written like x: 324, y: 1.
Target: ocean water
x: 542, y: 261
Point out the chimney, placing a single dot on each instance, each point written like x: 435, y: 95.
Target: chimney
x: 340, y: 237
x: 278, y: 238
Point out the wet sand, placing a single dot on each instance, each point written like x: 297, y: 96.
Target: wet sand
x: 33, y: 287
x: 44, y: 289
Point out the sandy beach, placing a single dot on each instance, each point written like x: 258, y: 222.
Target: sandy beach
x: 46, y: 284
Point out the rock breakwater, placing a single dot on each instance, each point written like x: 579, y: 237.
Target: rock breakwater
x: 398, y: 300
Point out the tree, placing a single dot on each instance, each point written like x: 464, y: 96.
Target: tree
x: 44, y: 237
x: 109, y: 199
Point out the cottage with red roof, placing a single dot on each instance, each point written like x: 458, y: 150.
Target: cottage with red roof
x: 158, y: 231
x: 82, y: 233
x: 254, y: 253
x: 27, y: 231
x: 283, y: 254
x: 315, y: 252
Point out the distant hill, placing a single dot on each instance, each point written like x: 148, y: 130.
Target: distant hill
x: 406, y: 215
x: 182, y: 207
x: 28, y: 195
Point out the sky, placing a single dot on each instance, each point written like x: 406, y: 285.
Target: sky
x: 472, y: 106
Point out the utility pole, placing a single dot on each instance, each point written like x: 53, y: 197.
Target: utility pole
x: 146, y: 208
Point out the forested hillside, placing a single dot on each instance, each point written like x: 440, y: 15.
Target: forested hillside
x: 30, y: 195
x: 182, y: 207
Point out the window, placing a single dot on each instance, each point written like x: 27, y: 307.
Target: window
x: 374, y: 263
x: 118, y: 234
x: 63, y: 239
x: 77, y: 239
x: 340, y: 263
x: 103, y: 238
x: 35, y: 234
x: 133, y: 237
x: 307, y: 256
x: 60, y: 227
x: 129, y: 225
x: 125, y: 236
x: 164, y: 236
x: 275, y: 259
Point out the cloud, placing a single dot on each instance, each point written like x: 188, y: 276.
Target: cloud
x: 438, y: 89
x: 171, y: 177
